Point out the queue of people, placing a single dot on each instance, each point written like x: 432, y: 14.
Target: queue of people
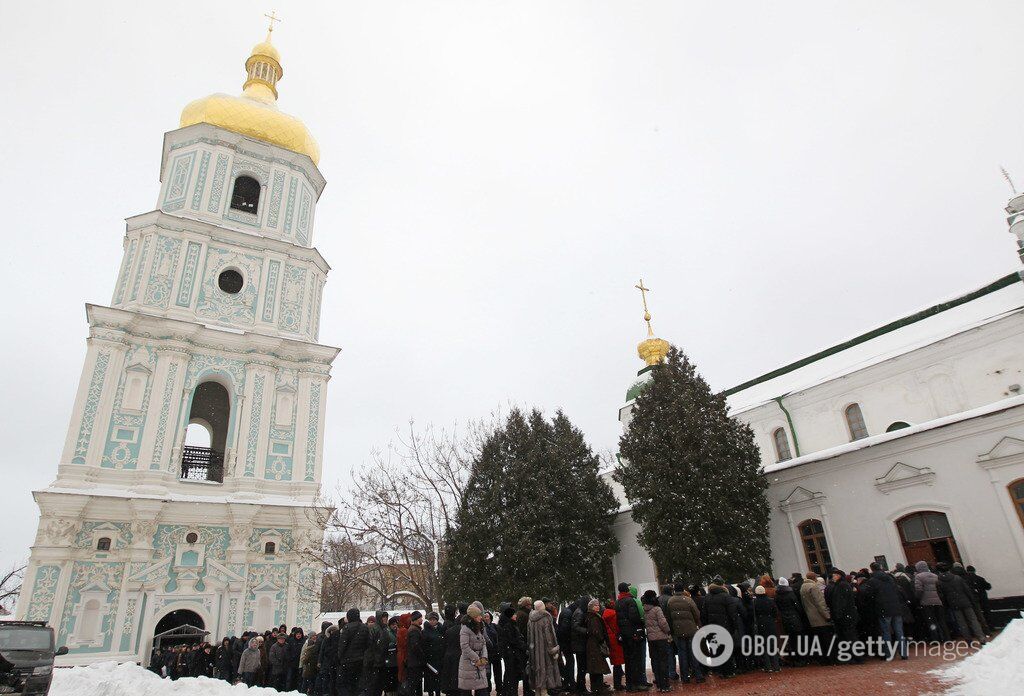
x: 542, y: 647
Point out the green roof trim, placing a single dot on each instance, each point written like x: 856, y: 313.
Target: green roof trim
x: 1003, y: 282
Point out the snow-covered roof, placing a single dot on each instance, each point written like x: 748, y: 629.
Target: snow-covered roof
x: 901, y: 336
x: 873, y: 440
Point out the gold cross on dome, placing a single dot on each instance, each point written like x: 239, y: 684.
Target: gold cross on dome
x: 647, y: 315
x: 273, y: 18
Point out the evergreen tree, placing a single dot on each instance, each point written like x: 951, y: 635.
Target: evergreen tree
x: 693, y: 476
x: 535, y: 518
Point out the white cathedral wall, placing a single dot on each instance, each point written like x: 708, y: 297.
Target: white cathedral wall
x: 961, y: 469
x: 959, y: 373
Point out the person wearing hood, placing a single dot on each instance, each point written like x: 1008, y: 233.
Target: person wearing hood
x: 658, y: 634
x: 473, y: 659
x: 512, y: 650
x: 956, y: 595
x: 721, y: 611
x: 223, y: 658
x: 376, y: 655
x: 351, y: 650
x: 926, y: 588
x: 578, y: 642
x: 883, y: 595
x: 295, y: 642
x: 249, y: 663
x: 615, y: 653
x: 633, y: 637
x: 542, y: 647
x: 684, y: 618
x: 404, y: 622
x: 433, y: 645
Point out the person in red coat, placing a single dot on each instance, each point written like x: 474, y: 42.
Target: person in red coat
x: 615, y: 653
x: 404, y: 622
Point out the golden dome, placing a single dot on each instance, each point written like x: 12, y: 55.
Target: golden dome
x: 254, y: 112
x: 653, y: 350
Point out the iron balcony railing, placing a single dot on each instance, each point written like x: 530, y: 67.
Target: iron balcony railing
x: 202, y: 464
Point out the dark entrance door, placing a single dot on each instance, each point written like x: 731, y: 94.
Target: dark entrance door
x: 927, y: 536
x: 178, y: 627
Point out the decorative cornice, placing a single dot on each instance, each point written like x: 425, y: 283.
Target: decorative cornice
x: 902, y: 475
x: 1007, y: 452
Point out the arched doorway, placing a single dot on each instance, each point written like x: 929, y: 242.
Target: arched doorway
x: 202, y: 458
x: 177, y: 627
x: 927, y: 536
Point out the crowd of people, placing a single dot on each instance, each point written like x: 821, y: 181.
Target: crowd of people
x: 542, y: 646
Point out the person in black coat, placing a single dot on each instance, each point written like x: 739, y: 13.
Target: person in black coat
x: 376, y: 655
x: 513, y: 652
x: 794, y: 624
x: 415, y: 656
x: 563, y: 632
x: 327, y: 666
x: 981, y: 586
x: 296, y: 641
x: 491, y: 634
x: 452, y: 652
x: 719, y: 609
x: 842, y: 606
x: 887, y: 604
x: 764, y: 614
x: 632, y: 636
x: 433, y: 643
x: 223, y: 660
x: 352, y: 645
x: 578, y: 641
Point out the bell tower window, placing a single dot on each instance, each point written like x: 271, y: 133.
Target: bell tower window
x: 246, y: 195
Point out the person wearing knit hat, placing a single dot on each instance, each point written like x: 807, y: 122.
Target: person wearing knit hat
x: 473, y: 659
x: 475, y: 611
x: 783, y: 582
x: 759, y: 590
x: 415, y: 655
x: 763, y: 615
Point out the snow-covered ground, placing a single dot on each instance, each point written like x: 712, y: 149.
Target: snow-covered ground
x: 998, y: 668
x: 113, y: 679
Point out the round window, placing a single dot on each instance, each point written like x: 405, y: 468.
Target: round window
x: 191, y: 537
x: 230, y: 281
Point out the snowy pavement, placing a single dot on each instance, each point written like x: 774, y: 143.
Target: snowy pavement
x: 113, y: 679
x: 998, y: 668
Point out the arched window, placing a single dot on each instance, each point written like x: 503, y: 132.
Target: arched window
x: 103, y: 544
x: 270, y: 548
x: 210, y: 410
x: 246, y: 195
x: 812, y: 537
x: 927, y: 536
x: 264, y: 613
x: 90, y: 621
x: 855, y: 422
x: 898, y: 425
x: 782, y: 452
x: 1017, y: 494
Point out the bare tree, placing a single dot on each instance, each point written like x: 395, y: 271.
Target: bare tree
x: 10, y: 586
x: 397, y: 513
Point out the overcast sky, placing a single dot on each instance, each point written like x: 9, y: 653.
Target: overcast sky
x: 782, y: 175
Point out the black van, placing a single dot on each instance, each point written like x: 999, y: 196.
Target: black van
x: 26, y: 657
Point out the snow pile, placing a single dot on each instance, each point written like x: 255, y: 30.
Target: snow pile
x: 998, y: 668
x: 128, y: 679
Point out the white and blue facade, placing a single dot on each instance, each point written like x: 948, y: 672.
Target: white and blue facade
x: 139, y: 522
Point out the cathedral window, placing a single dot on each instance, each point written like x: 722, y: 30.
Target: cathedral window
x: 782, y: 452
x: 103, y: 544
x: 90, y: 621
x: 855, y: 422
x: 812, y: 538
x: 898, y: 425
x: 270, y: 548
x: 246, y: 194
x: 210, y: 409
x: 1017, y: 495
x: 191, y: 538
x: 230, y: 281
